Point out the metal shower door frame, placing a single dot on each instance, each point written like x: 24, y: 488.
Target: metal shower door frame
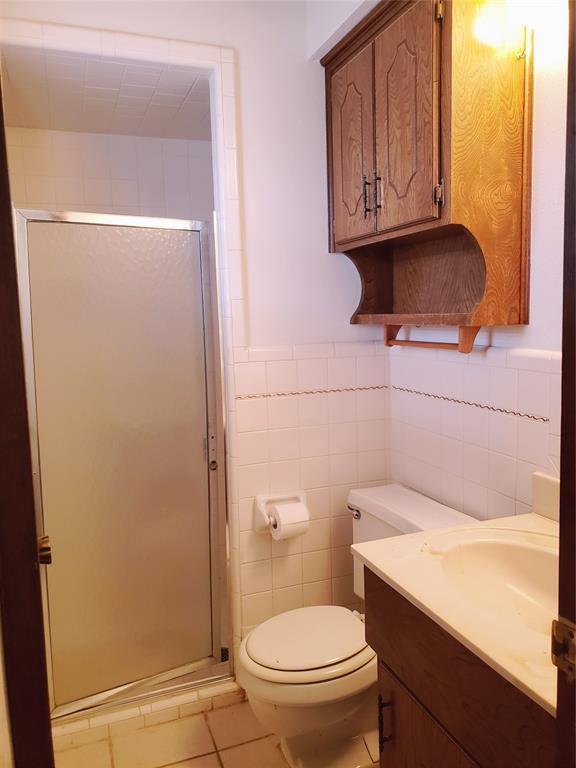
x: 214, y: 667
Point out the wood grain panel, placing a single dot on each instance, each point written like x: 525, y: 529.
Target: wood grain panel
x: 352, y: 143
x: 490, y: 718
x: 488, y: 160
x: 415, y: 738
x: 405, y: 66
x: 442, y: 275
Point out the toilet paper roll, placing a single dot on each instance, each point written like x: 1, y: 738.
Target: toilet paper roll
x: 288, y: 520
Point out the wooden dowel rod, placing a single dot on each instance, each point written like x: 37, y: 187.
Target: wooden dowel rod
x: 429, y: 344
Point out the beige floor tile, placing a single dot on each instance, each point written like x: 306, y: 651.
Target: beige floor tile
x: 264, y: 753
x: 163, y: 744
x: 234, y: 725
x: 351, y: 754
x: 90, y: 756
x: 208, y: 761
x: 371, y: 741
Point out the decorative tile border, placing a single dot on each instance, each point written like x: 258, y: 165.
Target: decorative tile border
x: 471, y: 403
x: 262, y: 395
x: 445, y: 398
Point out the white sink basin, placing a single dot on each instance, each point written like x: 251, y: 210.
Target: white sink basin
x: 492, y: 585
x: 513, y: 574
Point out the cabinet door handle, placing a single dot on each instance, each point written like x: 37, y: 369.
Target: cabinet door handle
x: 382, y: 738
x: 365, y: 185
x: 376, y: 179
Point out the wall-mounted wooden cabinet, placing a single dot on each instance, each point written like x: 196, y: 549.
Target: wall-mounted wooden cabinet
x: 429, y: 146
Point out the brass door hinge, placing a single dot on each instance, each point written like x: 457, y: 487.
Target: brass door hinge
x: 439, y: 12
x: 438, y: 193
x: 44, y: 550
x: 564, y: 647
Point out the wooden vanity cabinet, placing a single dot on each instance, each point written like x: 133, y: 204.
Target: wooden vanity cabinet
x: 440, y: 705
x: 409, y: 735
x: 429, y: 146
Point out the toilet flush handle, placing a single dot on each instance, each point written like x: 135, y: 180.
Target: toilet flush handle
x: 356, y: 514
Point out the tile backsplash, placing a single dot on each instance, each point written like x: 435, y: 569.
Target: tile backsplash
x: 467, y: 430
x: 475, y: 447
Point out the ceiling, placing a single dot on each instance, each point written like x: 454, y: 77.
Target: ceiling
x: 77, y: 92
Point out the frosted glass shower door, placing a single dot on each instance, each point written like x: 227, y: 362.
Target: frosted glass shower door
x: 120, y: 377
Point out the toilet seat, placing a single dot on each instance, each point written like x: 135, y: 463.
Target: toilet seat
x: 306, y: 645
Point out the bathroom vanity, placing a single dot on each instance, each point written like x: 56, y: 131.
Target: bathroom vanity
x: 465, y: 676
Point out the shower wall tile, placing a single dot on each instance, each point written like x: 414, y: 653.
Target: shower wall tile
x: 103, y: 173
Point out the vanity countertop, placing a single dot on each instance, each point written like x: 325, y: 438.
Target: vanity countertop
x: 492, y: 585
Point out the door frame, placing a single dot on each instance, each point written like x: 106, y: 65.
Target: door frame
x: 213, y: 667
x: 566, y: 696
x: 25, y: 670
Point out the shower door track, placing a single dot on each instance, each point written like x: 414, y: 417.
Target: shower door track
x: 203, y: 671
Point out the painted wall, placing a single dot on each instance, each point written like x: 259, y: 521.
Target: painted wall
x: 297, y: 291
x: 327, y: 21
x: 110, y: 174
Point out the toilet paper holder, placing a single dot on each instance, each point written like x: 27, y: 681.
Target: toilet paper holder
x: 261, y: 516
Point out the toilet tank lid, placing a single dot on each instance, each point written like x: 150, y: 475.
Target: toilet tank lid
x: 404, y: 509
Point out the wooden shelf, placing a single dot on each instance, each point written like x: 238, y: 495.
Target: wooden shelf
x: 454, y: 318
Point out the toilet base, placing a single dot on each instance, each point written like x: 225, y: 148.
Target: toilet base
x: 306, y: 749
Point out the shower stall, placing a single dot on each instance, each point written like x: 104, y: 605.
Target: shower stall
x: 119, y: 321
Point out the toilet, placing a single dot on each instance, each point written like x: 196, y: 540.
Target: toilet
x: 309, y: 674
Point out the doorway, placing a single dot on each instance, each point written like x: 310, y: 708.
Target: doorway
x: 121, y: 398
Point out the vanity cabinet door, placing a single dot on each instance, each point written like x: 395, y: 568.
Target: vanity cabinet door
x: 352, y: 147
x: 409, y: 736
x: 406, y: 118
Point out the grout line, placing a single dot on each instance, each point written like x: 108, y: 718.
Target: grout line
x: 242, y: 743
x: 110, y: 750
x: 205, y: 716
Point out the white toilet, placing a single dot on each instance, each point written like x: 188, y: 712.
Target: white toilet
x: 309, y: 674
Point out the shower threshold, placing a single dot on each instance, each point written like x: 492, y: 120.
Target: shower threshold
x: 180, y: 680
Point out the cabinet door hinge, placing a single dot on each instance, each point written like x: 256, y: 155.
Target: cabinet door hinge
x: 438, y: 193
x: 564, y: 647
x: 439, y: 10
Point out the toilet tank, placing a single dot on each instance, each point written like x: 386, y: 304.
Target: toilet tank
x: 393, y: 510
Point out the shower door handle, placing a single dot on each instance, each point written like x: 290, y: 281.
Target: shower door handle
x: 44, y: 550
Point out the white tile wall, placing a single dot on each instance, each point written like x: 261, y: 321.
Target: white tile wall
x: 473, y: 459
x: 110, y: 174
x: 324, y: 442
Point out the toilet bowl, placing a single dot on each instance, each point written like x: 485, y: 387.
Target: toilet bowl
x: 310, y: 676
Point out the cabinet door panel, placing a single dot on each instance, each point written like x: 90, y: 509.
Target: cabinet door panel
x: 352, y: 128
x: 415, y: 739
x: 406, y: 80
